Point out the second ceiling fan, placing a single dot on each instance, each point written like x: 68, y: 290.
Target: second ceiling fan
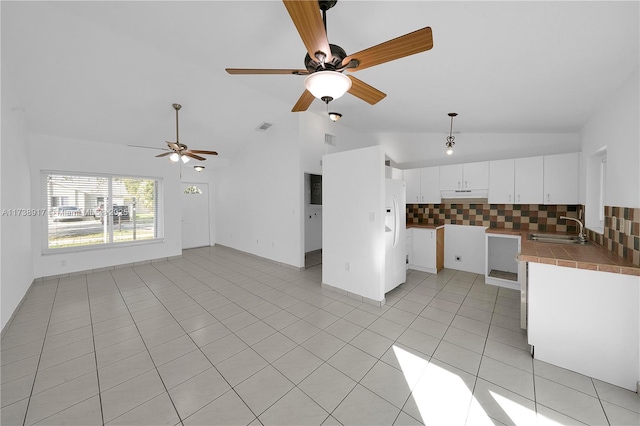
x: 326, y: 63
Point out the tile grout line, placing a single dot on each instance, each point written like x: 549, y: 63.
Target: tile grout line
x: 95, y: 351
x: 26, y: 411
x: 147, y: 348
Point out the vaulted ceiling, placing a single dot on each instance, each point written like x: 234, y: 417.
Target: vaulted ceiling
x: 109, y: 71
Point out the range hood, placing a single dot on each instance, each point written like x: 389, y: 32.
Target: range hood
x: 464, y: 194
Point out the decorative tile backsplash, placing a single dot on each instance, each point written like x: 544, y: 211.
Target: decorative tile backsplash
x: 621, y: 232
x: 620, y: 236
x: 533, y: 217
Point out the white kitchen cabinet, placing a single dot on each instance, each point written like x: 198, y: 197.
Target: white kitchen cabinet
x: 561, y: 178
x: 409, y: 243
x: 412, y: 180
x: 430, y: 185
x: 528, y: 180
x: 428, y: 249
x: 501, y: 182
x: 464, y: 176
x: 423, y: 185
x: 516, y: 181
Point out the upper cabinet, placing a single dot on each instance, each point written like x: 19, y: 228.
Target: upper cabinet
x: 423, y: 185
x: 501, y: 181
x: 412, y: 180
x: 516, y: 181
x: 465, y: 176
x: 430, y: 185
x: 561, y: 178
x: 528, y: 180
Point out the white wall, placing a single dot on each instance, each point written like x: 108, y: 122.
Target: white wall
x: 16, y: 274
x: 412, y: 150
x: 353, y: 190
x: 617, y: 126
x: 67, y: 155
x: 259, y: 197
x: 467, y: 242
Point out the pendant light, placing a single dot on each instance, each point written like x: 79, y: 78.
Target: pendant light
x: 450, y: 139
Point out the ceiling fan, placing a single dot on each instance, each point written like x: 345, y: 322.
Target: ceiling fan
x: 326, y: 63
x: 178, y: 151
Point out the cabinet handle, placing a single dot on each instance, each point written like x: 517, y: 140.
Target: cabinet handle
x: 547, y: 198
x: 417, y: 198
x: 423, y: 198
x: 509, y: 197
x: 458, y: 184
x: 466, y: 185
x: 518, y: 197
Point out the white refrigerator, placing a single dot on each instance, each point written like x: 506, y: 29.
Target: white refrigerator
x: 395, y: 234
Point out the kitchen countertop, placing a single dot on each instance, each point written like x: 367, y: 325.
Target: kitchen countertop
x: 593, y: 256
x: 423, y: 225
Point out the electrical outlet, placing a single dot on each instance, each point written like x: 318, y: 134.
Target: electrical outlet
x: 63, y: 263
x: 458, y: 258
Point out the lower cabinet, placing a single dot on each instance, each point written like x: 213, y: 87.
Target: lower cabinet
x: 427, y: 249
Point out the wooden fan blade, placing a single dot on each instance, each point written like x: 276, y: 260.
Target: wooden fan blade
x: 406, y: 45
x: 265, y: 71
x: 192, y: 155
x: 367, y: 93
x: 307, y: 18
x: 199, y: 151
x: 165, y: 154
x: 304, y: 102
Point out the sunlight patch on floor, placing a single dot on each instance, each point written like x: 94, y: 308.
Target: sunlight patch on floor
x: 442, y: 395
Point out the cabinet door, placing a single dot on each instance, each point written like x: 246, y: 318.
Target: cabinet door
x: 424, y: 248
x: 561, y: 179
x: 412, y: 179
x: 501, y: 179
x: 451, y: 177
x: 476, y: 175
x: 528, y: 180
x: 430, y: 185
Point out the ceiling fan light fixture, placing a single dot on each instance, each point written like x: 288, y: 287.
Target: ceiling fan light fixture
x: 335, y: 116
x: 327, y: 85
x: 184, y: 159
x: 198, y: 168
x: 174, y: 157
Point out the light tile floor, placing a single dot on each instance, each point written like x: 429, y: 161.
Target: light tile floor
x: 220, y: 337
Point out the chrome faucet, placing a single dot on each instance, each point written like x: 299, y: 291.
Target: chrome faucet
x: 581, y: 236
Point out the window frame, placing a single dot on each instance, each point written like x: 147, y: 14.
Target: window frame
x: 110, y: 244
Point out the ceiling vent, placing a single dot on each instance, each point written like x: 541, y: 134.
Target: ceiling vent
x: 264, y: 126
x: 329, y: 139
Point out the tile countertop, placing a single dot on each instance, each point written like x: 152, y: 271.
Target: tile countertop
x: 423, y: 225
x: 593, y: 257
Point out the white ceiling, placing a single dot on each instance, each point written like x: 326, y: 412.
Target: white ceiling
x: 109, y: 71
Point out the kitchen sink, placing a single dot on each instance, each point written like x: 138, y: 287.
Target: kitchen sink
x: 557, y: 238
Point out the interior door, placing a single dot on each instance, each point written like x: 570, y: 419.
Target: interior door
x: 195, y: 215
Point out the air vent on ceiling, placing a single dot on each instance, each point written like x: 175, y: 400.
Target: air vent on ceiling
x: 329, y: 139
x: 263, y: 127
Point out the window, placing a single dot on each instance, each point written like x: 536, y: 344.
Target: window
x: 100, y: 210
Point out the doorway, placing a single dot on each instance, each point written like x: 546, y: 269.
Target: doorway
x: 195, y: 215
x: 312, y: 219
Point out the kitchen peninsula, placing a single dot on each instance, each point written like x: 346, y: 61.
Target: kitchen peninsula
x: 582, y: 307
